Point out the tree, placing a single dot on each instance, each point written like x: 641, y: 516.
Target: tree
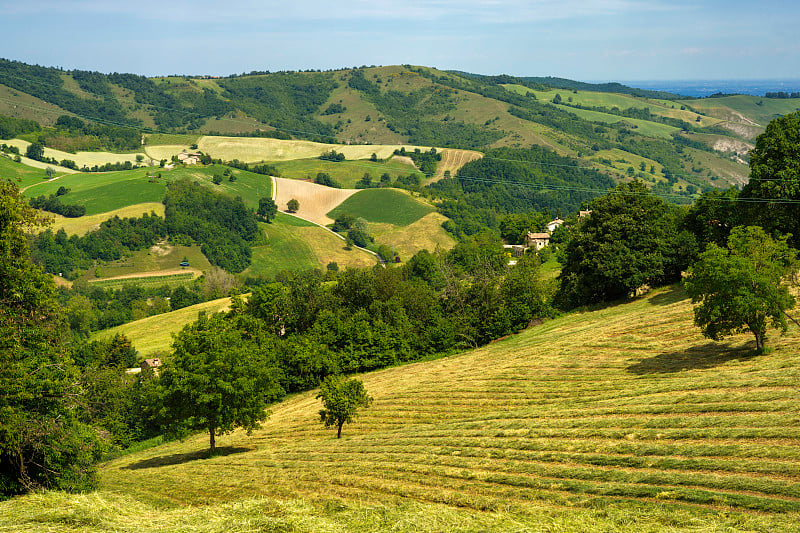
x: 292, y: 205
x: 42, y: 443
x: 267, y: 209
x: 35, y: 151
x: 341, y: 399
x: 218, y: 379
x: 775, y: 175
x: 631, y: 239
x: 740, y: 288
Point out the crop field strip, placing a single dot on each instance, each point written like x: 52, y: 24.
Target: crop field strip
x: 591, y: 406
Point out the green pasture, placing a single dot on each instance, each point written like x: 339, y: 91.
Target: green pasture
x: 643, y: 127
x: 761, y: 110
x: 284, y: 250
x: 23, y: 175
x: 107, y: 191
x: 347, y: 172
x: 155, y: 259
x: 391, y: 206
x: 170, y: 280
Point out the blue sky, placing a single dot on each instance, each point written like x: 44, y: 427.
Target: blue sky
x: 585, y: 40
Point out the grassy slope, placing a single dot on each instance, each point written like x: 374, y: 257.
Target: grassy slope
x: 614, y: 420
x: 26, y: 175
x: 426, y: 233
x: 84, y: 224
x: 746, y: 105
x: 346, y: 173
x: 154, y: 334
x: 154, y: 259
x: 390, y: 206
x: 107, y: 191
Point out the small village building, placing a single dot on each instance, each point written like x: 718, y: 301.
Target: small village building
x: 553, y: 224
x: 191, y: 158
x: 582, y: 214
x: 516, y: 250
x: 151, y: 365
x: 537, y: 240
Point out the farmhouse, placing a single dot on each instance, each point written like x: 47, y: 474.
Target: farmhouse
x: 553, y: 224
x: 192, y: 158
x: 151, y: 365
x: 537, y: 240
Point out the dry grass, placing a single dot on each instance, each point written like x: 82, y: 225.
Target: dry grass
x: 250, y: 149
x: 453, y: 160
x: 165, y: 151
x: 315, y: 200
x: 424, y: 234
x: 85, y: 224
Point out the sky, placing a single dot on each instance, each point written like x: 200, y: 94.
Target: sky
x: 588, y: 40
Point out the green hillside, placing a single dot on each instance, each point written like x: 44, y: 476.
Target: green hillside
x: 390, y: 206
x: 619, y: 419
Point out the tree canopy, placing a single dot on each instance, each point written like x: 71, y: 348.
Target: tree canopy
x: 218, y: 379
x: 630, y: 239
x: 740, y: 288
x: 341, y: 399
x: 775, y: 175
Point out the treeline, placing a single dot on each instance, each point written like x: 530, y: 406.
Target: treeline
x: 514, y: 180
x: 61, y: 254
x: 782, y: 94
x: 425, y: 161
x: 73, y: 134
x: 14, y: 127
x: 53, y: 204
x: 223, y: 226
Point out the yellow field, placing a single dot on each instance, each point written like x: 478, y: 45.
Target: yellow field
x: 424, y: 234
x: 328, y: 248
x: 85, y: 224
x: 251, y: 149
x: 81, y: 158
x: 154, y: 333
x: 315, y: 200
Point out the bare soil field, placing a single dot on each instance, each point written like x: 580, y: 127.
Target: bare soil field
x: 315, y: 200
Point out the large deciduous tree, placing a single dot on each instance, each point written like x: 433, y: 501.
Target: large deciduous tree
x: 219, y: 378
x: 741, y: 288
x: 775, y: 178
x: 42, y: 444
x: 341, y: 399
x: 631, y: 239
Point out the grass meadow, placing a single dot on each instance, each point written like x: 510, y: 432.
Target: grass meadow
x: 426, y: 233
x: 23, y: 175
x: 83, y: 225
x: 761, y: 110
x: 390, y: 206
x: 347, y: 172
x: 619, y: 419
x: 154, y: 334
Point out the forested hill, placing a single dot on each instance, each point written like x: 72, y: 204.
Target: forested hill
x: 676, y: 146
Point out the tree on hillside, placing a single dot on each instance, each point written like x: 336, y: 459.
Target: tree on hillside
x: 631, y: 239
x: 292, y: 205
x: 267, y: 209
x: 341, y: 399
x: 741, y: 288
x: 35, y: 151
x: 775, y: 175
x: 218, y: 379
x: 42, y: 444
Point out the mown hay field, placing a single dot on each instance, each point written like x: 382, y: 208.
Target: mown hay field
x: 452, y: 161
x: 255, y: 149
x: 384, y: 205
x: 620, y: 419
x: 347, y: 172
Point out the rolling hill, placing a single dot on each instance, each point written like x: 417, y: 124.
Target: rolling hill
x: 618, y: 419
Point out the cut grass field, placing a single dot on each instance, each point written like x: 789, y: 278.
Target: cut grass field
x: 315, y: 200
x: 297, y: 245
x: 620, y: 419
x: 347, y: 172
x: 154, y: 334
x: 389, y: 206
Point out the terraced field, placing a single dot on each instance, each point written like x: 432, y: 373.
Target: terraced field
x: 620, y: 419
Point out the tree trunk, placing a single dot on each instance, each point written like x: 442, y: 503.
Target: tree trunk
x: 339, y: 432
x: 759, y: 340
x: 213, y: 443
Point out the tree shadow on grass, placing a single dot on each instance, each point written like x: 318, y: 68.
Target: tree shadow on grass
x: 707, y: 355
x: 180, y: 458
x: 674, y: 294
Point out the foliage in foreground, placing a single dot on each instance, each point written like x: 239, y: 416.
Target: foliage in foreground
x: 742, y: 288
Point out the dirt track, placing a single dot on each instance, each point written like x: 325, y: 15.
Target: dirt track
x: 315, y: 200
